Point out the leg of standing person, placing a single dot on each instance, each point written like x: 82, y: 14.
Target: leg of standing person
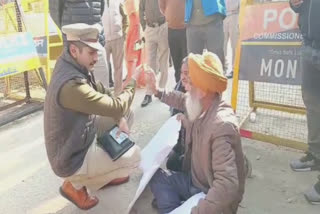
x: 101, y: 72
x: 111, y: 83
x: 311, y: 97
x: 117, y: 58
x: 195, y: 39
x: 226, y: 41
x: 177, y: 44
x: 170, y: 189
x: 108, y: 49
x: 214, y: 38
x: 174, y: 51
x: 163, y: 51
x: 234, y: 37
x: 183, y: 44
x: 151, y: 55
x: 310, y: 62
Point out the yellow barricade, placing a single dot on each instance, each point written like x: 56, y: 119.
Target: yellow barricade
x: 266, y: 87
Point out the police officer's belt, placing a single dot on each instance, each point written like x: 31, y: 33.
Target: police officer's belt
x: 156, y: 24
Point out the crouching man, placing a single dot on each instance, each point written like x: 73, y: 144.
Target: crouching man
x: 71, y: 126
x: 213, y: 161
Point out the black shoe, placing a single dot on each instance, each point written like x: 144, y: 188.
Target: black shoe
x: 154, y: 204
x: 313, y: 195
x: 147, y: 99
x: 230, y: 75
x: 305, y: 164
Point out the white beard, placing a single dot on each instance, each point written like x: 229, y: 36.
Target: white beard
x: 193, y: 107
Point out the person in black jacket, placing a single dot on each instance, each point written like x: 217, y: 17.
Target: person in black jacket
x: 65, y: 12
x: 309, y: 24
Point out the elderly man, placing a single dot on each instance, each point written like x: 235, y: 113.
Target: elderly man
x: 70, y: 124
x: 213, y: 160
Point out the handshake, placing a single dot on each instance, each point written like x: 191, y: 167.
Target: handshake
x: 150, y: 77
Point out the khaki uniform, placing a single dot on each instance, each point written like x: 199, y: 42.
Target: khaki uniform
x: 77, y: 110
x: 79, y: 96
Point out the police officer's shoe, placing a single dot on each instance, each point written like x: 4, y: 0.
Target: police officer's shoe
x: 230, y: 75
x: 80, y: 197
x: 147, y: 99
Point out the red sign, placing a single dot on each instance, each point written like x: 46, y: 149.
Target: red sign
x: 270, y: 22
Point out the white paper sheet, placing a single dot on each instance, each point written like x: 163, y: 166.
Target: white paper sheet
x: 187, y: 206
x: 155, y: 153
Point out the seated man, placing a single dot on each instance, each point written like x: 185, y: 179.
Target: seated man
x: 213, y: 161
x: 70, y: 124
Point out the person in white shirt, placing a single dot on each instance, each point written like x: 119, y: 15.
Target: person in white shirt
x: 115, y: 24
x: 231, y: 31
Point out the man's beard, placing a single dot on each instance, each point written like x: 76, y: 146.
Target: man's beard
x: 193, y: 107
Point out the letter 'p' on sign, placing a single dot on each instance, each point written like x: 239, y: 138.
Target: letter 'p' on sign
x: 285, y: 18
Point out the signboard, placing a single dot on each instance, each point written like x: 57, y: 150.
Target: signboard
x: 38, y: 31
x: 41, y: 46
x: 271, y: 44
x: 17, y: 54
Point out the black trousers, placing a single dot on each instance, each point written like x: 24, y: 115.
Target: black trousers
x: 310, y: 62
x: 170, y: 189
x: 178, y: 49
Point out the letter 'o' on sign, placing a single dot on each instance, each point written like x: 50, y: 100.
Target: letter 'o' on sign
x: 285, y: 18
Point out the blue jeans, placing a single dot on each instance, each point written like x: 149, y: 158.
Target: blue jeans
x: 171, y: 189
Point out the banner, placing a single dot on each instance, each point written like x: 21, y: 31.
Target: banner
x: 17, y: 54
x: 270, y: 44
x: 41, y: 46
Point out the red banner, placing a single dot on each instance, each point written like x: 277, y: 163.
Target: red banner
x: 270, y: 22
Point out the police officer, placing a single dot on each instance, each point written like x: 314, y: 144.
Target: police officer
x: 71, y: 126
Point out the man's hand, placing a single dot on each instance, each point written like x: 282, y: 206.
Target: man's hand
x: 296, y: 3
x: 133, y: 78
x: 151, y: 80
x: 182, y: 118
x: 123, y: 127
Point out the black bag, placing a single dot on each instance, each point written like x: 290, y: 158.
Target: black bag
x: 115, y: 147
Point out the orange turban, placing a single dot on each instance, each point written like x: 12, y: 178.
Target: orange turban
x: 206, y: 72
